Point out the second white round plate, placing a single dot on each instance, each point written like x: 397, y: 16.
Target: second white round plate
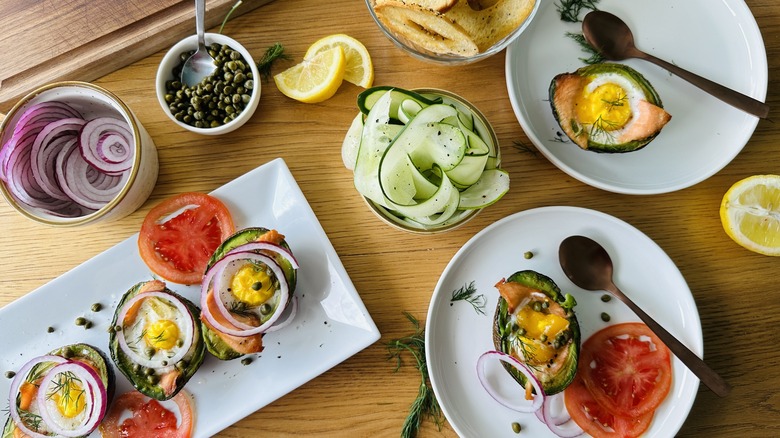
x: 717, y: 39
x: 457, y: 334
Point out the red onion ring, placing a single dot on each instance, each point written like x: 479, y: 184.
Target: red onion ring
x: 188, y: 329
x: 255, y: 246
x: 538, y: 399
x: 96, y: 398
x: 16, y: 384
x: 44, y: 151
x: 243, y: 330
x: 561, y: 424
x: 106, y: 144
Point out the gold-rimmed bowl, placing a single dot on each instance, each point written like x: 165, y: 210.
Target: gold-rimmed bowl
x: 485, y: 130
x: 91, y: 101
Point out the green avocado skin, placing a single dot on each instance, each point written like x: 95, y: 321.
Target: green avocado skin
x: 635, y: 77
x: 139, y: 380
x: 214, y: 344
x: 551, y: 384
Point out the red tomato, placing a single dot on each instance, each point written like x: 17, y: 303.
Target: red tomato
x: 627, y: 369
x: 177, y: 248
x: 150, y: 419
x: 597, y: 421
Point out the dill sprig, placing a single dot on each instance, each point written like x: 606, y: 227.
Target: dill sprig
x: 570, y: 9
x: 235, y: 6
x: 425, y: 404
x: 271, y: 54
x: 467, y: 293
x: 522, y: 147
x: 595, y: 56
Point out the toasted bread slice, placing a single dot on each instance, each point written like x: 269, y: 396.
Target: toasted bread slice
x: 488, y: 26
x: 435, y: 5
x: 425, y: 28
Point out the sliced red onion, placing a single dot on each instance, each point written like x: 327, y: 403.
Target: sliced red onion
x: 534, y: 404
x: 267, y: 246
x: 95, y: 403
x: 74, y: 180
x: 16, y: 384
x: 289, y: 319
x: 242, y: 330
x: 554, y: 415
x: 44, y: 151
x: 106, y: 144
x: 188, y: 328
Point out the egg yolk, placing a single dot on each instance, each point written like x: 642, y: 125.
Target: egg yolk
x: 252, y: 285
x: 70, y: 396
x: 162, y: 334
x: 606, y: 107
x: 536, y: 325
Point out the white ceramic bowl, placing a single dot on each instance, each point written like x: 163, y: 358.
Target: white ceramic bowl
x: 425, y: 54
x: 172, y: 59
x: 484, y: 129
x: 91, y: 101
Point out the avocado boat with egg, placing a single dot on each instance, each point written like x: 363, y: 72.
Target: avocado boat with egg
x: 607, y: 108
x: 155, y: 339
x: 535, y: 323
x: 249, y: 282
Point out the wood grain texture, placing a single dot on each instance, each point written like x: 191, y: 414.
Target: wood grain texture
x: 735, y: 290
x: 53, y: 40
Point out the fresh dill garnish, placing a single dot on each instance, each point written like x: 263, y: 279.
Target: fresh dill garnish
x: 31, y: 420
x: 595, y: 57
x: 235, y: 6
x: 522, y: 147
x: 612, y: 104
x: 240, y: 308
x: 271, y: 54
x: 466, y: 293
x: 425, y: 405
x: 570, y: 9
x: 64, y: 385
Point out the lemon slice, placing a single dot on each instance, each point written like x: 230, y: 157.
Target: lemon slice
x: 359, y: 70
x: 750, y: 213
x: 316, y: 78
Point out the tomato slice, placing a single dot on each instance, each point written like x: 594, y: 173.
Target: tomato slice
x: 180, y: 234
x: 597, y: 421
x: 150, y: 419
x: 627, y: 369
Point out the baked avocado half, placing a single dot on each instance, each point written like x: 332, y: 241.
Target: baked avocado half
x: 535, y: 322
x: 248, y: 305
x: 607, y: 108
x: 156, y: 340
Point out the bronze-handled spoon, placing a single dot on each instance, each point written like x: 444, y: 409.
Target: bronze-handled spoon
x: 612, y: 37
x: 200, y: 65
x: 588, y: 265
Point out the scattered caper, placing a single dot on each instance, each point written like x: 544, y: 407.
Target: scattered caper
x: 181, y: 365
x: 516, y: 428
x: 605, y: 316
x: 265, y: 309
x: 81, y: 320
x: 97, y: 307
x: 545, y: 304
x: 246, y: 361
x: 50, y: 330
x: 606, y: 298
x: 537, y: 306
x: 149, y: 371
x: 180, y: 343
x: 522, y: 331
x: 137, y: 368
x: 164, y: 363
x: 117, y: 328
x: 152, y: 379
x: 528, y: 255
x: 10, y: 374
x: 543, y: 338
x: 87, y: 325
x: 257, y: 285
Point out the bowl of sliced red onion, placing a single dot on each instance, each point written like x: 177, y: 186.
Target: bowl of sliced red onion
x: 72, y: 153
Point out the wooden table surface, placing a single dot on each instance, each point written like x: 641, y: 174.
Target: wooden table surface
x: 394, y: 271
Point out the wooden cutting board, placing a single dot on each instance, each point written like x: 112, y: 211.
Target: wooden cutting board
x: 50, y: 40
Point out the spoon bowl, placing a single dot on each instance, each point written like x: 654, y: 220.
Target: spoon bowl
x: 200, y: 65
x: 612, y: 37
x: 589, y: 266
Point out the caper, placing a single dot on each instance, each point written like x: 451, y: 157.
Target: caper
x: 265, y: 309
x: 606, y: 298
x: 545, y: 304
x: 181, y: 365
x: 231, y: 65
x: 239, y: 78
x: 528, y: 255
x: 522, y: 331
x: 515, y: 327
x: 250, y: 84
x: 537, y: 306
x: 257, y: 285
x: 81, y: 320
x: 149, y: 371
x: 118, y: 328
x: 180, y: 343
x: 236, y: 99
x: 150, y: 351
x: 234, y: 55
x: 137, y: 368
x: 152, y: 379
x: 245, y: 98
x: 543, y: 338
x: 10, y: 374
x: 516, y: 428
x: 605, y: 316
x: 246, y: 361
x: 87, y: 325
x: 230, y: 109
x: 50, y: 330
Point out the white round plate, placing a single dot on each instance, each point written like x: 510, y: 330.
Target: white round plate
x: 456, y: 334
x: 717, y: 39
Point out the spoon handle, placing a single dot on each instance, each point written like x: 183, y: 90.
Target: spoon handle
x: 200, y: 18
x: 734, y: 98
x: 705, y: 374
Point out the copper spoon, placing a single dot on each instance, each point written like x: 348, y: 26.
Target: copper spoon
x: 588, y: 265
x: 612, y: 37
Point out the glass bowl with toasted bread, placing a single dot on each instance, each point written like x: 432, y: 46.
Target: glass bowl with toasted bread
x: 452, y: 32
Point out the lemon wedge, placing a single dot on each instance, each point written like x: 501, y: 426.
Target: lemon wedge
x: 316, y: 78
x: 359, y: 69
x: 750, y: 213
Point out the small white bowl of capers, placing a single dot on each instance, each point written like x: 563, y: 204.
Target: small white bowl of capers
x: 222, y: 102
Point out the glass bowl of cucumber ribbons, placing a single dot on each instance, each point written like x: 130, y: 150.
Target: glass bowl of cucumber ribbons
x: 425, y: 160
